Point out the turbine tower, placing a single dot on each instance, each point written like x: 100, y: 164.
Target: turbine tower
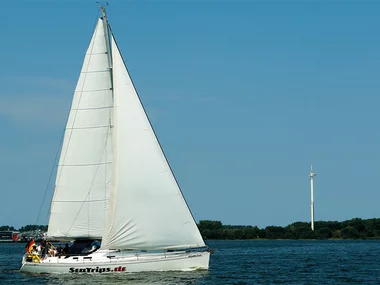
x: 312, y: 174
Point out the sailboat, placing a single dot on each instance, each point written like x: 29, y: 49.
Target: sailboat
x: 114, y: 185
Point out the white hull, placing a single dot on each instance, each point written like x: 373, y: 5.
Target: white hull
x: 118, y: 262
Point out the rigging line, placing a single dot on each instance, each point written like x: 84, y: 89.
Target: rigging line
x: 50, y: 176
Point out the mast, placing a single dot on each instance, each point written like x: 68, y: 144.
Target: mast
x: 108, y: 41
x: 312, y: 174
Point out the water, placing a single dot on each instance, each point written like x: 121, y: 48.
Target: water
x: 238, y: 263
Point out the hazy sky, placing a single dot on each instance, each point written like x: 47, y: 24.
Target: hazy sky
x: 243, y: 95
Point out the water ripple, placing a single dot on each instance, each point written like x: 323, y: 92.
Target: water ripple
x: 236, y: 263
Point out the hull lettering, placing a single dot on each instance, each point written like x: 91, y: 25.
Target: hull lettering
x: 97, y: 269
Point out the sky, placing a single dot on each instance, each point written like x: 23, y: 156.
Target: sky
x: 243, y: 95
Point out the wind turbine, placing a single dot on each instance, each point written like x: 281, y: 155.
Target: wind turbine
x: 312, y: 174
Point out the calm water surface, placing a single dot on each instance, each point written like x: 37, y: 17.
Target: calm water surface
x: 237, y: 262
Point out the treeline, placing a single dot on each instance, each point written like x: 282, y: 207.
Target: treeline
x: 7, y: 228
x: 27, y: 228
x: 350, y: 229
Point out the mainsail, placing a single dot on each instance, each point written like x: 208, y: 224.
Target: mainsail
x: 113, y: 180
x: 85, y: 166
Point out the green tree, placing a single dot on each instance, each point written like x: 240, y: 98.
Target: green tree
x: 305, y: 233
x: 350, y: 233
x: 210, y: 225
x: 290, y: 232
x: 28, y: 228
x: 324, y: 233
x: 336, y: 234
x: 273, y: 232
x: 6, y: 228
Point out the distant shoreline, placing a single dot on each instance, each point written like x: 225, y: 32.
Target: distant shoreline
x: 241, y: 240
x: 286, y: 239
x: 354, y: 229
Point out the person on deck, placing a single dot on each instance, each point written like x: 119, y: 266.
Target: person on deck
x: 34, y: 254
x: 65, y: 250
x: 59, y: 250
x: 44, y: 248
x: 34, y: 250
x: 51, y: 251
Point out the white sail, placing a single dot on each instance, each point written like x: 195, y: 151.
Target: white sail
x: 85, y: 167
x: 146, y: 207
